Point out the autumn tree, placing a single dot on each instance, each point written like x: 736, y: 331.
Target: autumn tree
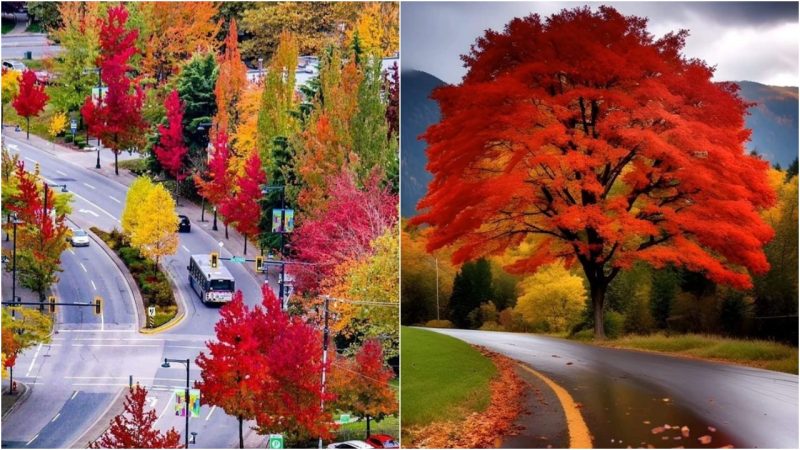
x: 149, y: 219
x: 136, y: 427
x: 217, y: 183
x: 423, y: 274
x: 365, y: 390
x: 377, y: 28
x: 30, y: 99
x: 613, y: 147
x: 275, y: 117
x: 10, y: 83
x: 553, y: 296
x: 242, y: 209
x: 230, y: 86
x: 245, y: 138
x: 117, y: 120
x: 171, y: 150
x: 23, y: 328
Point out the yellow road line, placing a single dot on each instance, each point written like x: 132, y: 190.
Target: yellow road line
x: 579, y: 436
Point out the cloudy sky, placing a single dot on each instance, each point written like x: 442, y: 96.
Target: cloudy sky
x: 756, y: 41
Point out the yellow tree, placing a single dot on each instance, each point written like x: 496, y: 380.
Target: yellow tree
x: 377, y: 28
x: 552, y: 295
x: 134, y: 204
x: 156, y: 233
x: 231, y: 83
x: 278, y: 98
x: 245, y: 137
x: 10, y: 83
x: 57, y: 124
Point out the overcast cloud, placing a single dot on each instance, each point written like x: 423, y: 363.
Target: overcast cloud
x: 756, y: 41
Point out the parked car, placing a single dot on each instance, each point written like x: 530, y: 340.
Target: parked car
x: 382, y: 441
x: 350, y: 444
x: 184, y: 226
x: 13, y: 64
x: 79, y: 238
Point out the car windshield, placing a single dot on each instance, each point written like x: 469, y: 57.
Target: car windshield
x: 221, y: 285
x: 80, y: 233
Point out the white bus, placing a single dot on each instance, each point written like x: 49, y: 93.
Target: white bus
x: 211, y: 285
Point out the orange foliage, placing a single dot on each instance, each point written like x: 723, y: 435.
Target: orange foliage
x: 231, y: 82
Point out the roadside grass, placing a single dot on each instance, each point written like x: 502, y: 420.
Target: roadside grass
x: 444, y: 379
x: 754, y: 353
x: 8, y: 24
x: 39, y: 124
x: 137, y: 166
x: 34, y: 27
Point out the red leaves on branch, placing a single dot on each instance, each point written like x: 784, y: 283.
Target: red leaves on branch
x: 171, y: 149
x: 31, y: 99
x: 345, y: 228
x: 612, y: 147
x: 267, y: 365
x: 242, y: 209
x: 362, y: 384
x: 135, y: 428
x: 219, y: 182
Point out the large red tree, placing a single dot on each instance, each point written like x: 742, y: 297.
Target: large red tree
x: 243, y: 209
x: 602, y: 145
x: 31, y: 99
x: 116, y: 120
x: 171, y: 148
x: 217, y: 184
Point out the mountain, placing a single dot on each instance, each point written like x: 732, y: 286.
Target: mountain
x: 417, y: 113
x: 774, y: 121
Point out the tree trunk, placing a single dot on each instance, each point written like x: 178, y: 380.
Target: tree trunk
x: 245, y: 245
x: 226, y: 231
x: 368, y: 431
x: 28, y: 128
x: 241, y: 433
x: 598, y: 291
x: 116, y: 163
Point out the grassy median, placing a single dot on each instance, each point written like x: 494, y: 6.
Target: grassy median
x: 443, y: 378
x: 754, y: 353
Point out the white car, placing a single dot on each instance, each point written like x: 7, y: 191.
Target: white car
x: 80, y: 238
x: 350, y: 444
x: 13, y: 64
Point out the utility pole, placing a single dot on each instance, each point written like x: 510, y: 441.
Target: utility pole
x: 283, y: 250
x: 325, y: 333
x: 437, y: 288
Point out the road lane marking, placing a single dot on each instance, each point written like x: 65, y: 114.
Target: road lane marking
x: 60, y: 172
x: 56, y: 417
x: 211, y: 412
x: 83, y: 267
x: 579, y: 436
x: 73, y: 395
x: 169, y: 401
x: 89, y: 186
x: 34, y: 438
x: 33, y: 361
x: 32, y: 160
x: 89, y: 211
x: 93, y: 285
x: 187, y: 250
x: 71, y: 251
x: 184, y: 346
x: 113, y: 198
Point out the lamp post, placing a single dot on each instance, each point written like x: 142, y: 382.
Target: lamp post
x: 14, y: 222
x: 281, y: 229
x: 187, y: 362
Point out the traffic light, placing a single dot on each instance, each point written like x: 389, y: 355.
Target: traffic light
x: 52, y: 300
x: 214, y: 260
x: 98, y: 305
x: 259, y: 263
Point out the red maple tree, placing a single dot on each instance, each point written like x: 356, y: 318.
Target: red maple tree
x: 171, y: 149
x: 242, y: 209
x: 217, y: 184
x: 602, y: 146
x: 344, y: 229
x: 362, y: 384
x: 267, y: 364
x: 135, y: 428
x: 30, y: 100
x: 117, y: 120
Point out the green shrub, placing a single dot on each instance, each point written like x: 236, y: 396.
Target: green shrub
x: 162, y: 294
x: 129, y: 255
x: 68, y: 138
x: 439, y: 324
x: 614, y: 323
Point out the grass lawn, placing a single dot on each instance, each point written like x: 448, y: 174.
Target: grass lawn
x: 8, y: 24
x: 754, y: 353
x: 34, y: 27
x: 443, y: 378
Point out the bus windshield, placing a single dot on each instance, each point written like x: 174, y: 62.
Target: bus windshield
x: 221, y: 285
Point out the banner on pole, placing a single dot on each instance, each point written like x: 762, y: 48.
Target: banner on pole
x: 194, y: 402
x: 288, y: 221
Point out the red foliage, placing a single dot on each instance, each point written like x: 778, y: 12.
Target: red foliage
x: 10, y: 347
x: 32, y: 98
x: 171, y: 148
x: 243, y: 209
x: 219, y: 182
x: 135, y: 428
x: 117, y: 120
x: 345, y: 228
x: 608, y: 144
x: 267, y: 364
x: 362, y: 385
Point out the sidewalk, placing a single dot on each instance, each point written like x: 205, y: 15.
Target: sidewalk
x: 21, y: 26
x: 24, y: 294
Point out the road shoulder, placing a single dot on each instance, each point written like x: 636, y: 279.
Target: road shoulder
x: 542, y: 422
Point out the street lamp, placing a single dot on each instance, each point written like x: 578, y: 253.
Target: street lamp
x: 187, y: 362
x: 14, y: 222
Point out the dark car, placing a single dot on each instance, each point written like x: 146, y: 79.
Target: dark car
x: 382, y: 441
x: 184, y: 226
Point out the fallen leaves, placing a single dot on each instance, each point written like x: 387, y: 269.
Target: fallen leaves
x: 704, y: 440
x: 485, y: 429
x: 685, y: 431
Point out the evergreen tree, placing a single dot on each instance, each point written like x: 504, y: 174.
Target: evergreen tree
x: 196, y: 84
x: 471, y: 287
x: 666, y: 283
x: 791, y: 171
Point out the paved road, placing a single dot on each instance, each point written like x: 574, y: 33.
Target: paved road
x: 625, y: 394
x: 14, y: 46
x: 92, y: 355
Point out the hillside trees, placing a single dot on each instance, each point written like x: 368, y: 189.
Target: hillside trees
x: 593, y: 164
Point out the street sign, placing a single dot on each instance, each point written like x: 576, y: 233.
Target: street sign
x: 345, y: 418
x: 73, y: 125
x: 151, y: 311
x: 238, y: 259
x: 275, y: 441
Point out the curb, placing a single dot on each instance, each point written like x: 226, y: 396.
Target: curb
x: 182, y: 308
x: 126, y: 274
x: 20, y: 400
x: 99, y: 426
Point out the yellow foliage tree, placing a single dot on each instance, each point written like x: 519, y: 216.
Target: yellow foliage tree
x: 10, y: 82
x: 377, y: 28
x: 134, y: 202
x: 149, y: 219
x: 552, y: 295
x: 245, y: 137
x: 57, y: 124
